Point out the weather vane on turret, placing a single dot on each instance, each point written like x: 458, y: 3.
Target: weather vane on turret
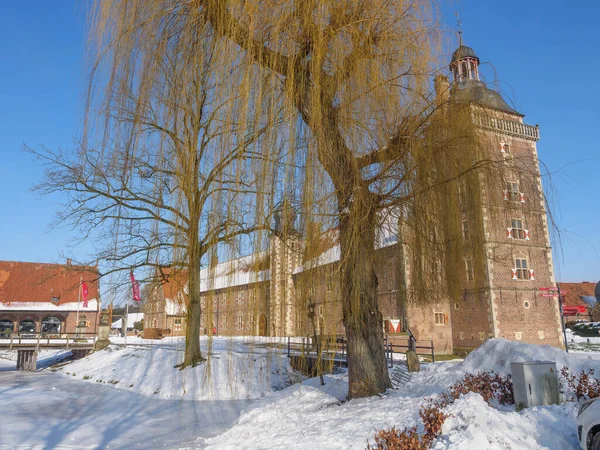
x: 459, y: 26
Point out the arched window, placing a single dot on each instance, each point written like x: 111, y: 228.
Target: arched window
x: 27, y: 326
x: 6, y: 327
x: 154, y: 323
x: 51, y: 325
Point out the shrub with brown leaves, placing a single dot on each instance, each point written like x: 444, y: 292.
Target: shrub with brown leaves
x: 409, y: 439
x: 583, y: 386
x: 394, y: 439
x: 489, y: 385
x: 433, y: 418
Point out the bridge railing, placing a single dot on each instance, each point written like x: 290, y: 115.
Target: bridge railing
x: 335, y: 348
x: 39, y: 339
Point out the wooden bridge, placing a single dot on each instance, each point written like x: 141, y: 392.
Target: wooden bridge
x: 28, y: 345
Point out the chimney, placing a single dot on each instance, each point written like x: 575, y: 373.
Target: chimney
x: 69, y: 262
x: 442, y: 89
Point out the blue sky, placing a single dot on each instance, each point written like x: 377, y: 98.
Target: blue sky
x: 545, y: 55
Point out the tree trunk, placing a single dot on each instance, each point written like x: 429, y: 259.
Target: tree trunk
x: 367, y: 368
x: 193, y: 354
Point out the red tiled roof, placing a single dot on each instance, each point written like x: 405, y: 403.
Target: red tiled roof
x: 575, y: 290
x: 39, y: 282
x: 172, y: 281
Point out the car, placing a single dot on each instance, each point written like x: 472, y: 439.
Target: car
x: 588, y: 424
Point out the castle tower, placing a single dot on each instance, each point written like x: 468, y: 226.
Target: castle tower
x: 284, y: 258
x: 507, y: 302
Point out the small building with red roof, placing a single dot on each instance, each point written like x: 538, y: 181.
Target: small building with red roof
x: 572, y: 294
x: 48, y: 298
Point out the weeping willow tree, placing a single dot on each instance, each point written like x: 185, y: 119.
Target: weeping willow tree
x: 351, y: 83
x: 345, y: 87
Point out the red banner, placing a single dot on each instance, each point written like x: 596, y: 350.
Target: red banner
x: 84, y: 294
x: 574, y: 310
x: 135, y: 288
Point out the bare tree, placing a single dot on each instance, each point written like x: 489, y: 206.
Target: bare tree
x: 169, y: 180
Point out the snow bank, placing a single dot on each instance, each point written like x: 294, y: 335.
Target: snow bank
x: 474, y: 425
x: 235, y: 370
x: 498, y: 354
x: 306, y: 417
x: 310, y: 416
x: 494, y: 355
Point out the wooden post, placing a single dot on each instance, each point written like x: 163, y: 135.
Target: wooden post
x: 27, y: 360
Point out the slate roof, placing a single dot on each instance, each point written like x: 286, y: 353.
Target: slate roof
x: 463, y: 52
x: 477, y: 92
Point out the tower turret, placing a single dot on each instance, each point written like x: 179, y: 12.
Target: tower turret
x: 464, y: 64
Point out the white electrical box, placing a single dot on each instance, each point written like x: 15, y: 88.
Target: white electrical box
x: 535, y: 383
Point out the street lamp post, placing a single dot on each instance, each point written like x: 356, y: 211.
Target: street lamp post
x: 311, y: 316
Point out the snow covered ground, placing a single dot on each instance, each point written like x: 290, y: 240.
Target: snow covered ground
x: 133, y: 397
x: 579, y: 344
x: 310, y: 417
x: 46, y: 410
x: 237, y: 368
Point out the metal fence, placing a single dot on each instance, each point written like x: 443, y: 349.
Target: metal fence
x: 334, y: 348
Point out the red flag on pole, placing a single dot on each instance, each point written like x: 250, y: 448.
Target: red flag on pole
x: 84, y: 294
x: 135, y: 288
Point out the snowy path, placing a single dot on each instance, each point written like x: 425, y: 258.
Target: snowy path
x: 46, y: 410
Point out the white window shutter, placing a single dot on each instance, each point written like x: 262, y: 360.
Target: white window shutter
x: 514, y: 274
x: 505, y: 193
x: 531, y: 274
x: 521, y: 197
x: 526, y: 235
x: 509, y: 233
